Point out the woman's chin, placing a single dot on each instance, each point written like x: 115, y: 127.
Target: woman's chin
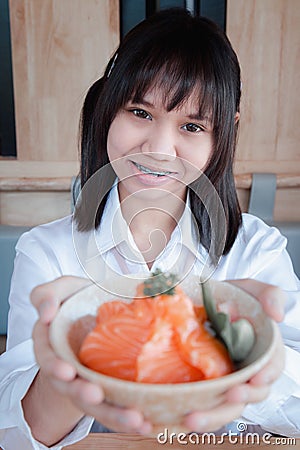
x: 151, y: 188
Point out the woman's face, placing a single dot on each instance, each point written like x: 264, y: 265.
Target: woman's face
x: 153, y: 149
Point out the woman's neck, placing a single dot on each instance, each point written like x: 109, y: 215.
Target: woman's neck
x: 151, y: 222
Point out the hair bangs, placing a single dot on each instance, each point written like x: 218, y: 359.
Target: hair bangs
x: 176, y: 81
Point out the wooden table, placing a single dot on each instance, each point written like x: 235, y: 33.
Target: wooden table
x: 116, y: 441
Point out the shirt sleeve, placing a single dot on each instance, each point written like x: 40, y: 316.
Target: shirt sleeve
x: 18, y: 367
x: 279, y: 413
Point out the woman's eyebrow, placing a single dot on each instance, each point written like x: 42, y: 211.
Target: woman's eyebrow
x: 199, y: 117
x: 193, y: 116
x: 142, y: 102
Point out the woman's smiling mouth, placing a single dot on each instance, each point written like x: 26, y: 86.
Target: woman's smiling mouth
x: 148, y: 171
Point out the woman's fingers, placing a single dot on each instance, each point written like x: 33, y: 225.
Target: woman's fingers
x: 215, y: 418
x: 82, y: 393
x: 88, y: 398
x: 51, y: 365
x: 231, y: 409
x: 119, y: 419
x: 272, y: 298
x: 47, y: 297
x: 247, y: 393
x: 271, y: 371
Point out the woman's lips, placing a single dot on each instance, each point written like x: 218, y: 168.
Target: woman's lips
x: 151, y: 176
x: 152, y: 171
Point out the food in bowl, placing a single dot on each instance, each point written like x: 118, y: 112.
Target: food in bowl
x: 164, y: 404
x: 160, y: 337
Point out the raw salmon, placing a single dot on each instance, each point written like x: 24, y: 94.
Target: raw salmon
x: 110, y: 309
x: 114, y: 345
x: 159, y: 339
x: 208, y: 354
x: 160, y: 361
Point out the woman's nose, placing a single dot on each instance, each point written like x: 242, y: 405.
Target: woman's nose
x: 161, y: 143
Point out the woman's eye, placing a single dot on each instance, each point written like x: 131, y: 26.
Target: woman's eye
x: 141, y: 113
x: 192, y: 128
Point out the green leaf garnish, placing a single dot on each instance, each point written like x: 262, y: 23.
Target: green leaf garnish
x: 238, y: 336
x: 160, y: 283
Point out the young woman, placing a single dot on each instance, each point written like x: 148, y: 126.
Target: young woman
x: 158, y: 141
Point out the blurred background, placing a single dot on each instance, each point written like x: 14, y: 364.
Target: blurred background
x: 53, y: 50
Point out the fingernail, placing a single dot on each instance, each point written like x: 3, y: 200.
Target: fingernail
x: 65, y: 371
x: 93, y: 394
x: 201, y: 423
x: 98, y: 396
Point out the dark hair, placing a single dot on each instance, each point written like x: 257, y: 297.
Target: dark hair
x: 182, y: 55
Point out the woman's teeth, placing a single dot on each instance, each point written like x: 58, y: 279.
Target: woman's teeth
x: 151, y: 172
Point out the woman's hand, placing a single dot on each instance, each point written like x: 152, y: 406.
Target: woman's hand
x: 257, y: 389
x: 87, y: 398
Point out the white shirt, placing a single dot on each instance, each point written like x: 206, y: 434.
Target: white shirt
x: 55, y: 249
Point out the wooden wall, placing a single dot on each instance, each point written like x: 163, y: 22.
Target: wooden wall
x: 266, y: 37
x: 60, y: 47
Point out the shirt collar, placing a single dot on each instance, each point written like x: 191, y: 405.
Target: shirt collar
x: 114, y: 230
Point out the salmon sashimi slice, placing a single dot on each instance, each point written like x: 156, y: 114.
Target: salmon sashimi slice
x: 113, y: 346
x: 110, y: 309
x: 143, y: 309
x: 178, y: 309
x: 205, y: 352
x: 175, y: 308
x: 160, y: 361
x: 197, y: 346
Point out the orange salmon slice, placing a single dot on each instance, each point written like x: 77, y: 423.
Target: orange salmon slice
x: 160, y: 361
x: 113, y: 346
x: 159, y: 339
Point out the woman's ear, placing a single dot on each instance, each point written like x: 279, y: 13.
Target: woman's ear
x: 236, y: 117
